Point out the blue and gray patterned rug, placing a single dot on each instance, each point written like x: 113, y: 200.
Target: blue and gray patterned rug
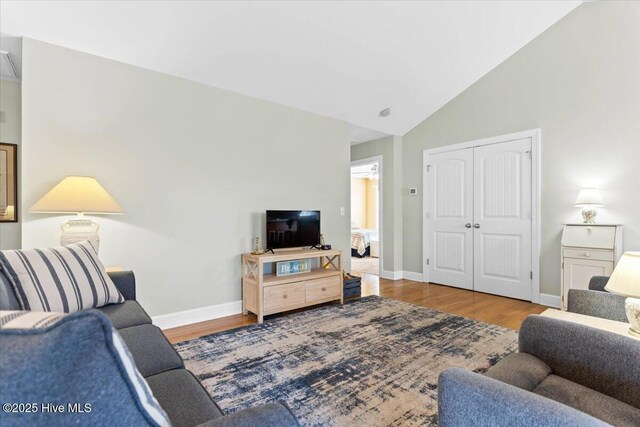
x: 374, y: 361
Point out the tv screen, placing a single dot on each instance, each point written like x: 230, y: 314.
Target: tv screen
x: 292, y: 229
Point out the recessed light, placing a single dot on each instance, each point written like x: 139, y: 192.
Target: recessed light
x: 385, y: 112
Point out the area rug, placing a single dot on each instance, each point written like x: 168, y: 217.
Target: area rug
x: 372, y: 362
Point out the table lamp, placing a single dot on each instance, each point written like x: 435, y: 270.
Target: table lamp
x: 625, y: 280
x: 78, y: 195
x: 589, y: 199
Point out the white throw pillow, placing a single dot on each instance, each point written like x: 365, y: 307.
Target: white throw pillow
x: 64, y: 279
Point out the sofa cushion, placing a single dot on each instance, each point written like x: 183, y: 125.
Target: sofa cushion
x: 183, y: 398
x: 521, y: 370
x: 8, y: 299
x: 77, y: 360
x: 150, y: 349
x: 64, y: 279
x: 126, y: 315
x: 589, y: 401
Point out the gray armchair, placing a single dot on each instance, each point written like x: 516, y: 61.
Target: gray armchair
x: 565, y: 374
x: 596, y: 301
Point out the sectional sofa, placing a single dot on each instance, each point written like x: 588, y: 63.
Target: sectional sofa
x: 178, y: 392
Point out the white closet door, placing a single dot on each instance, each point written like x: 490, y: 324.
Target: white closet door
x: 502, y: 219
x: 450, y: 201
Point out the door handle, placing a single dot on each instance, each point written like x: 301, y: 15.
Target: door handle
x: 468, y: 225
x: 476, y: 225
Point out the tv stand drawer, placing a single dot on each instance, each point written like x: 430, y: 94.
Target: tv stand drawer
x: 322, y: 289
x: 284, y: 297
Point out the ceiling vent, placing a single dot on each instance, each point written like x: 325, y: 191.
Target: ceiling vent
x: 7, y: 67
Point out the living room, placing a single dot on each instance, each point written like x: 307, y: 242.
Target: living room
x: 176, y: 206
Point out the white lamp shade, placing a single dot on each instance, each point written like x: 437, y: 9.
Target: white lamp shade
x: 589, y: 197
x: 625, y: 279
x: 77, y: 194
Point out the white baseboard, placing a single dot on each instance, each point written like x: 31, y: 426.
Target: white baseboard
x: 412, y: 275
x: 187, y: 317
x: 391, y: 275
x: 550, y: 300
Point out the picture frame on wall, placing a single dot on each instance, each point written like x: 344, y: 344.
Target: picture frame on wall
x: 8, y: 182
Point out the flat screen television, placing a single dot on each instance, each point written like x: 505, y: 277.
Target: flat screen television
x: 292, y: 229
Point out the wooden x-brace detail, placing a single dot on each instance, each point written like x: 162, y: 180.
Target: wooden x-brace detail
x: 330, y: 262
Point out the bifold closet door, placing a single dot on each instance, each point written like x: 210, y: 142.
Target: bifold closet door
x: 450, y: 233
x: 502, y: 219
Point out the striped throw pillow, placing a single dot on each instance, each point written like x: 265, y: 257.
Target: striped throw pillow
x: 64, y: 279
x: 14, y: 319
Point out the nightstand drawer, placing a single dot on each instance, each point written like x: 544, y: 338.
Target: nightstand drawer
x: 283, y: 297
x: 323, y: 289
x: 588, y: 254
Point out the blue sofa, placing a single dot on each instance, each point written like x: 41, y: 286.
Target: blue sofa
x: 565, y: 374
x: 176, y: 389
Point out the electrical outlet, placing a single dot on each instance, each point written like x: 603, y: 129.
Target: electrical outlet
x: 342, y: 211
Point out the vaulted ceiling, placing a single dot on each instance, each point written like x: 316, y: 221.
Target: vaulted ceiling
x: 346, y: 60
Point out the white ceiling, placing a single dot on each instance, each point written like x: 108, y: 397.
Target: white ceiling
x: 358, y: 135
x: 346, y: 60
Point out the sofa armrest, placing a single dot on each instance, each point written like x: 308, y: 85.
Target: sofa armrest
x: 467, y: 399
x: 125, y: 281
x: 597, y: 283
x: 269, y: 415
x: 604, y: 361
x: 597, y: 304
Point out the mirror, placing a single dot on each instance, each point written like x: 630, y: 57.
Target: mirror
x: 8, y: 182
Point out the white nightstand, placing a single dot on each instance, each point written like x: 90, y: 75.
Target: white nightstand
x: 588, y: 250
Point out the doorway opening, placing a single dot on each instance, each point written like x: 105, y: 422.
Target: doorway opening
x: 366, y: 216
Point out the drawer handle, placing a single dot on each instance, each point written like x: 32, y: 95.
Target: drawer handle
x: 324, y: 289
x: 587, y: 254
x: 285, y: 296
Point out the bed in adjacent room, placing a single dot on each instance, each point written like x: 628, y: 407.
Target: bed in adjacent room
x: 361, y: 239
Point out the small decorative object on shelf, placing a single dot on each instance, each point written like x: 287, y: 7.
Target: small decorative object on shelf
x: 257, y: 247
x: 286, y: 268
x: 589, y: 199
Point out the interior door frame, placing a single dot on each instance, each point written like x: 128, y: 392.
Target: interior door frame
x: 535, y: 135
x: 368, y: 160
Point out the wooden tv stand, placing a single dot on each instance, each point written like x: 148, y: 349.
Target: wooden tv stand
x: 265, y: 294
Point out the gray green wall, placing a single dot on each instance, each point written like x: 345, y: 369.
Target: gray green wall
x: 10, y: 132
x: 193, y: 166
x: 579, y: 82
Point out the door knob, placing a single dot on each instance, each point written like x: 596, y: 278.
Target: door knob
x: 476, y: 225
x: 468, y: 225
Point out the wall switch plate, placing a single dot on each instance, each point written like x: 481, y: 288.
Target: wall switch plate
x: 342, y: 211
x: 413, y: 191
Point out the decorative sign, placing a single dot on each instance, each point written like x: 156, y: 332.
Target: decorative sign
x: 286, y: 268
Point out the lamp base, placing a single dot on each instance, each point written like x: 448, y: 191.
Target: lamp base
x: 79, y: 230
x: 589, y: 215
x: 632, y: 308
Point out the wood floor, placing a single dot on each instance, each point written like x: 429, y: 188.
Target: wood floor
x: 501, y: 311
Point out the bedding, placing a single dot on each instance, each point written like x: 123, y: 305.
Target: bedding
x: 361, y: 239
